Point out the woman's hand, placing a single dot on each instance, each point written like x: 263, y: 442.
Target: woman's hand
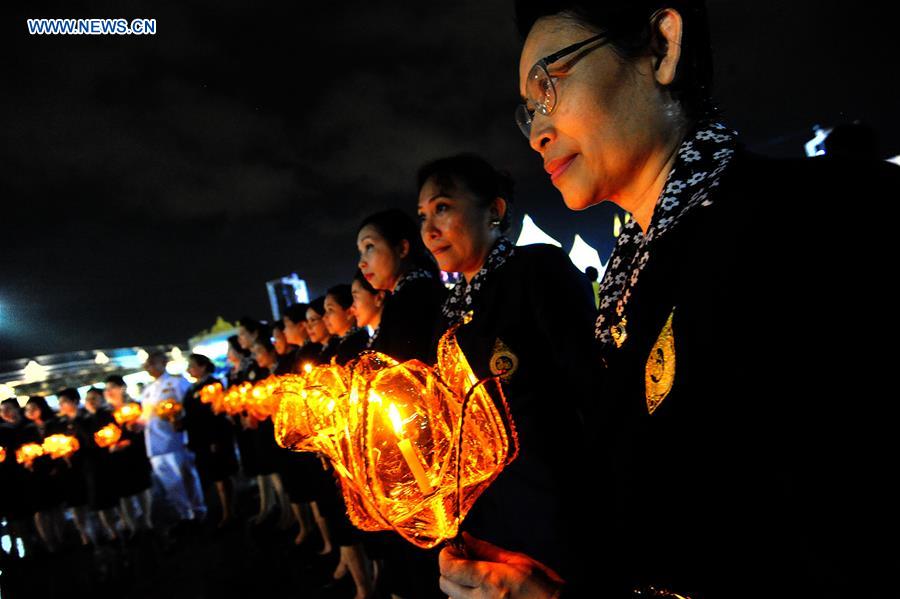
x: 494, y: 572
x: 120, y: 445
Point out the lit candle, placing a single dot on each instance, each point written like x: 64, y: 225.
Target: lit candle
x: 409, y: 453
x: 2, y: 454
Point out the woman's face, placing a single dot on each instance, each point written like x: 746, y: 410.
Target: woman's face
x: 196, y: 371
x: 338, y: 320
x: 32, y: 412
x: 281, y: 343
x: 610, y: 116
x: 366, y: 305
x: 246, y: 338
x: 233, y: 357
x: 379, y: 262
x: 68, y: 408
x: 114, y: 394
x: 455, y: 228
x: 9, y: 414
x: 315, y: 326
x: 264, y: 357
x: 93, y: 402
x: 295, y: 332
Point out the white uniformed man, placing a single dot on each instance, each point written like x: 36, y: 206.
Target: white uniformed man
x: 172, y: 463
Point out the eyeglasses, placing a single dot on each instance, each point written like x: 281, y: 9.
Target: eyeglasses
x: 540, y: 91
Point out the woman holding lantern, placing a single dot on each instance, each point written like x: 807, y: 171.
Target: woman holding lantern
x: 210, y: 436
x: 724, y: 480
x: 524, y: 317
x: 133, y: 479
x: 45, y: 475
x: 103, y: 496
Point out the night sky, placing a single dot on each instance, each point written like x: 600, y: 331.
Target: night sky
x: 149, y: 184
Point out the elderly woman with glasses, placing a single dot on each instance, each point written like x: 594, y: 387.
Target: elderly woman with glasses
x: 735, y: 472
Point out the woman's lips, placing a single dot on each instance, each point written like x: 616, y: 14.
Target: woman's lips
x: 440, y: 250
x: 556, y: 168
x: 369, y: 276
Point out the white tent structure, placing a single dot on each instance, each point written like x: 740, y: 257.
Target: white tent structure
x: 583, y: 255
x: 531, y: 233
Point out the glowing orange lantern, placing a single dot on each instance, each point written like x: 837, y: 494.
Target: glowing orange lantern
x: 262, y: 401
x: 27, y: 453
x: 108, y: 435
x: 309, y: 408
x: 414, y: 445
x: 60, y: 446
x: 2, y: 454
x: 235, y: 398
x: 214, y: 395
x: 127, y: 413
x: 168, y: 409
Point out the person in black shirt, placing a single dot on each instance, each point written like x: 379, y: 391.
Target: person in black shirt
x: 14, y: 502
x: 319, y: 333
x: 45, y: 474
x: 74, y: 474
x: 525, y: 318
x: 272, y: 492
x: 103, y: 497
x: 393, y: 259
x: 133, y: 478
x: 340, y: 322
x: 367, y: 304
x: 210, y: 437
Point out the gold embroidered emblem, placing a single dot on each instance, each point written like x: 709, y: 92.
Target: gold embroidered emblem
x: 619, y: 333
x: 659, y: 373
x: 504, y: 362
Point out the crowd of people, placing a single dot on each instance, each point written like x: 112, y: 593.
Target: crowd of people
x: 677, y: 430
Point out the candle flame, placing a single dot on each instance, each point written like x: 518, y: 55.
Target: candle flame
x: 396, y: 419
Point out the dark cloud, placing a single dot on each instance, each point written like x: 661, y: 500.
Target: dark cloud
x: 149, y: 184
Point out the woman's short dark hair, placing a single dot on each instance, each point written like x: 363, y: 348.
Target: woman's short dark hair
x: 342, y: 295
x: 41, y: 402
x: 360, y: 278
x: 476, y: 175
x: 265, y: 343
x: 626, y: 23
x: 203, y: 362
x: 296, y: 313
x: 70, y: 394
x: 115, y: 379
x: 235, y: 346
x: 318, y: 305
x: 395, y: 226
x: 12, y: 402
x: 250, y: 324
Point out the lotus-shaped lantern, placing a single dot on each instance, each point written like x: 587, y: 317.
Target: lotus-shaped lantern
x: 108, y: 436
x: 60, y: 446
x: 127, y: 413
x: 28, y: 452
x: 262, y: 401
x: 168, y: 409
x: 214, y: 395
x: 414, y: 445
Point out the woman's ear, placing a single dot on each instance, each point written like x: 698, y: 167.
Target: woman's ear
x: 498, y: 210
x: 667, y: 31
x: 404, y: 248
x: 379, y: 298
